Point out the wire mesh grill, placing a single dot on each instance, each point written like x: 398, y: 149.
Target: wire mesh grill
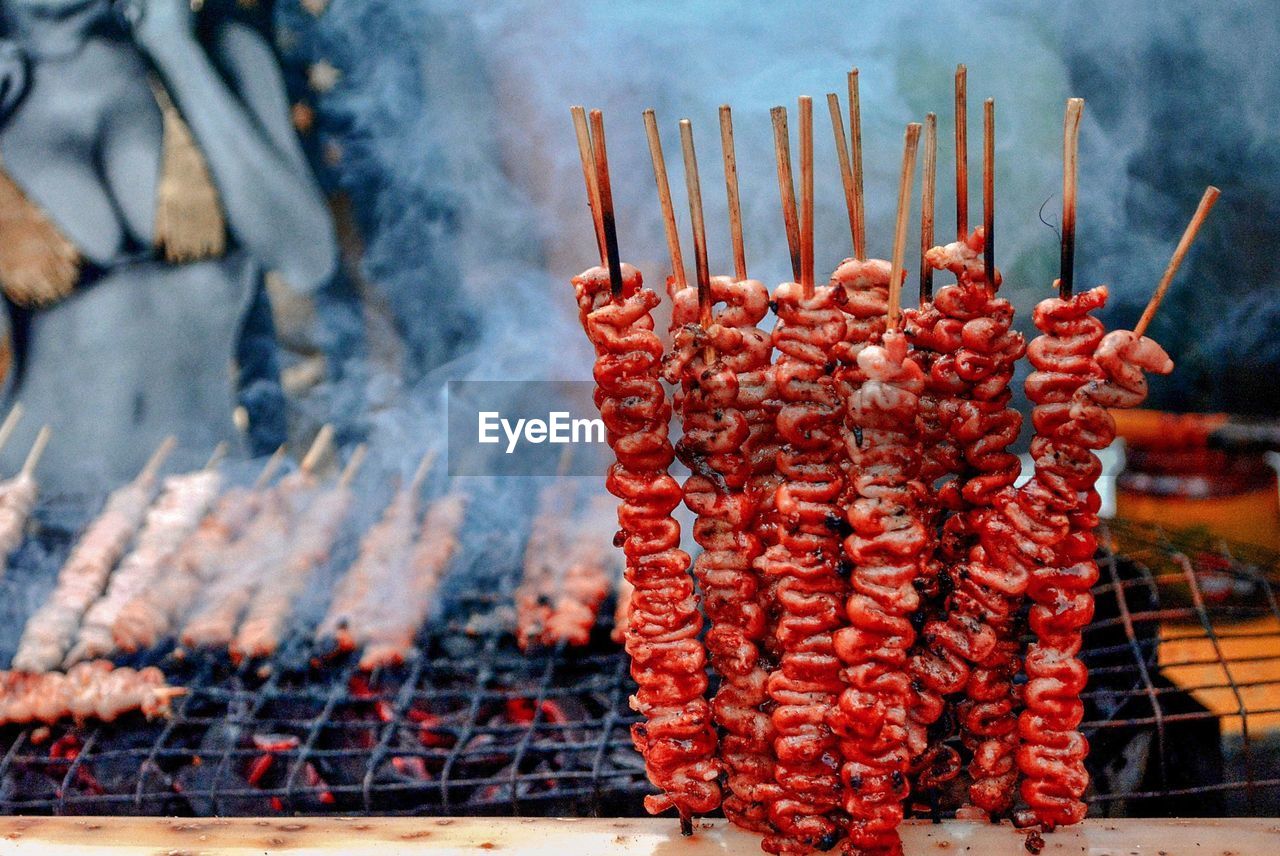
x: 1182, y: 654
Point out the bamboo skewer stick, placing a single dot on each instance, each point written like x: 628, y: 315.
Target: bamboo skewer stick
x: 319, y: 446
x: 606, y: 203
x: 989, y: 191
x: 354, y: 463
x: 1207, y: 201
x: 37, y: 451
x: 589, y: 174
x: 10, y: 423
x: 158, y: 457
x: 428, y: 461
x: 566, y: 458
x: 215, y: 457
x: 911, y: 142
x: 846, y: 167
x: 806, y: 195
x: 1070, y: 176
x: 928, y: 191
x: 664, y: 197
x: 855, y: 151
x: 786, y: 186
x: 962, y: 153
x: 693, y: 188
x: 269, y: 470
x: 731, y: 191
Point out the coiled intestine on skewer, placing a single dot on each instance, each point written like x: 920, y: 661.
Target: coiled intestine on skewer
x: 1081, y: 375
x: 888, y: 543
x: 974, y: 356
x: 805, y: 566
x: 668, y: 661
x: 968, y: 426
x: 1017, y: 533
x: 1076, y: 385
x: 716, y: 448
x: 759, y: 403
x: 984, y: 426
x: 934, y: 331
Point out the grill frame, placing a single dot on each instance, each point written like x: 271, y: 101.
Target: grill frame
x: 489, y: 761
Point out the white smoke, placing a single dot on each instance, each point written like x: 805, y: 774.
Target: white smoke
x: 685, y: 60
x: 464, y: 108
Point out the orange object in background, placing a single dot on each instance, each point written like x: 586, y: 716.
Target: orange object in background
x: 1174, y: 478
x: 1237, y: 677
x: 1177, y: 479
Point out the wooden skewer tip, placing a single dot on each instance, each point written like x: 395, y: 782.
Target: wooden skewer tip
x: 216, y: 456
x: 10, y: 423
x: 786, y: 186
x: 158, y: 457
x: 319, y: 446
x: 1207, y: 202
x: 855, y: 156
x: 806, y: 194
x: 989, y: 190
x: 1070, y: 178
x: 585, y: 155
x: 424, y: 468
x: 962, y: 152
x: 37, y: 451
x: 272, y: 465
x: 911, y: 143
x: 566, y: 460
x: 354, y: 463
x: 693, y: 187
x: 670, y: 229
x: 606, y: 201
x: 733, y: 197
x: 846, y: 165
x: 928, y: 192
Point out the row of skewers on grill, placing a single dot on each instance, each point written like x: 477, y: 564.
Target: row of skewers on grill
x: 868, y: 566
x: 222, y: 568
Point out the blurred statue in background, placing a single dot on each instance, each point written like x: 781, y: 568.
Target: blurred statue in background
x: 149, y: 177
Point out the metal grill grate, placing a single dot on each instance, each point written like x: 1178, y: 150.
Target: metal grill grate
x: 1177, y: 715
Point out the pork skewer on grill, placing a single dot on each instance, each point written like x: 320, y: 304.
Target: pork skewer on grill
x: 310, y: 547
x: 51, y: 629
x: 152, y: 613
x: 259, y: 552
x: 588, y: 577
x: 1053, y: 753
x: 18, y: 499
x: 212, y: 624
x: 676, y: 738
x: 89, y: 690
x: 392, y: 620
x: 545, y: 555
x: 805, y: 563
x: 622, y: 610
x: 887, y: 549
x: 182, y: 503
x: 707, y: 352
x: 383, y: 556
